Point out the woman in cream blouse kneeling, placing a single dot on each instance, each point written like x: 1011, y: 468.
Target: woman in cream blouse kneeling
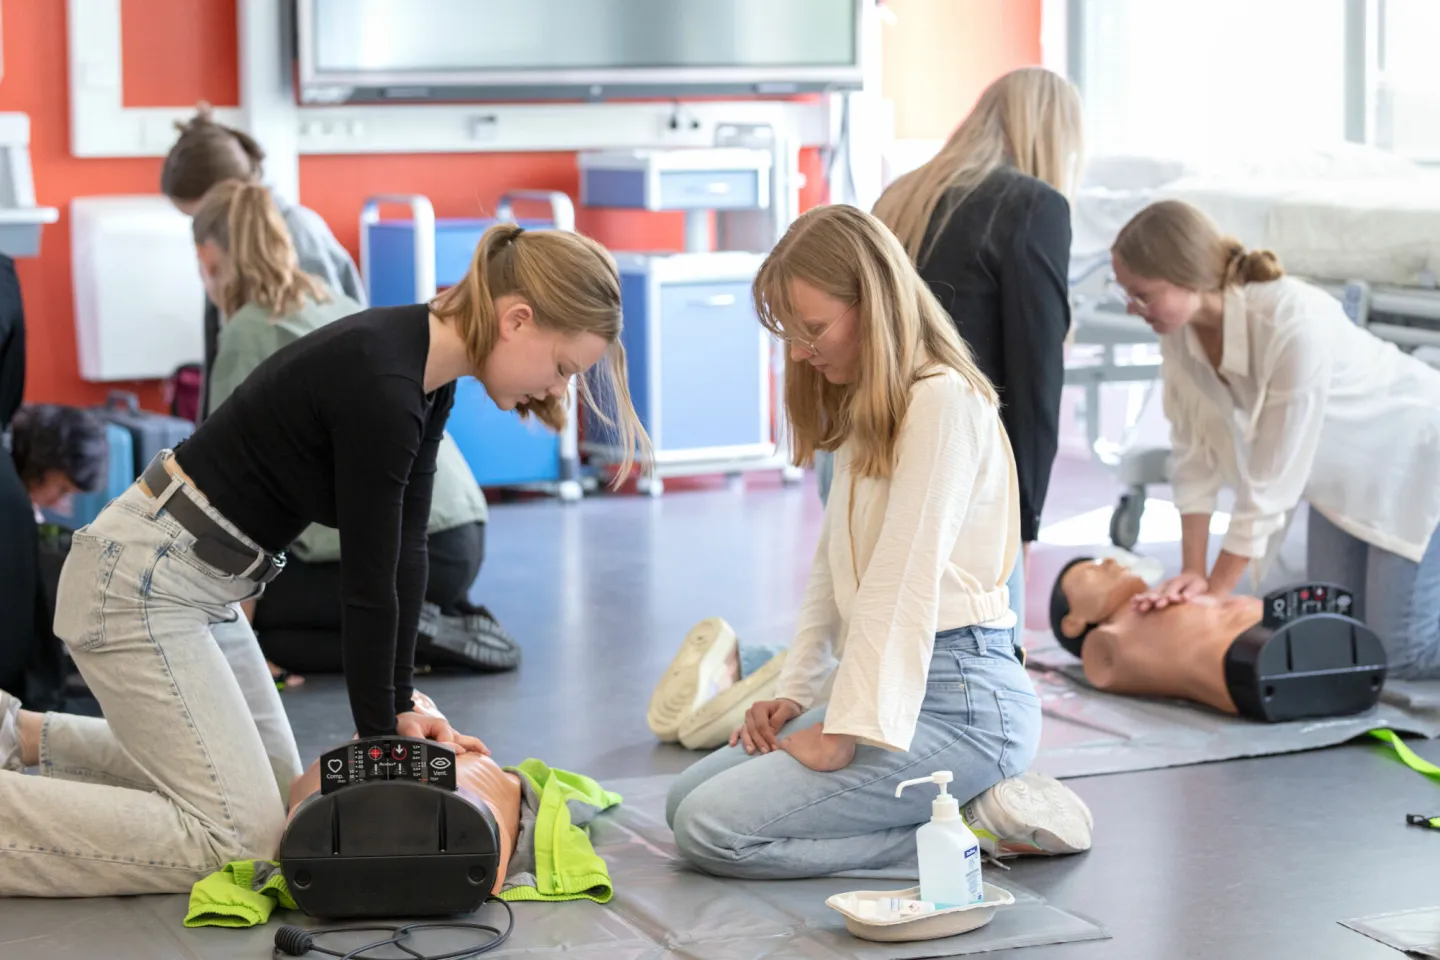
x: 1271, y: 390
x: 907, y: 590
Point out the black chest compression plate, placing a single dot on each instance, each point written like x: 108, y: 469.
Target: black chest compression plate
x: 388, y: 835
x: 1307, y: 658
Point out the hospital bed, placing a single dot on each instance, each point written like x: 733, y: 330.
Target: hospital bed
x: 1359, y: 223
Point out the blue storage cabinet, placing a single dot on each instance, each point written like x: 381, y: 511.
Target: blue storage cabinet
x: 703, y: 373
x: 408, y: 261
x: 699, y: 364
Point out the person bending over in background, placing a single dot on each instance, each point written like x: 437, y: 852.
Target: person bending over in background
x: 55, y: 452
x: 190, y: 767
x: 267, y: 302
x: 58, y: 451
x: 907, y: 589
x: 988, y: 224
x: 1271, y: 390
x: 207, y: 153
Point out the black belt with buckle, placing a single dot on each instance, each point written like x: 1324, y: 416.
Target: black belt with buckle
x: 214, y: 544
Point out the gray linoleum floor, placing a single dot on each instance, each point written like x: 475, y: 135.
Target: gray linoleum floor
x: 1247, y: 859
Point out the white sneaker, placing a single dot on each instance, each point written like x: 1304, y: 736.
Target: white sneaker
x: 700, y: 671
x: 709, y: 726
x: 10, y: 732
x: 1031, y: 814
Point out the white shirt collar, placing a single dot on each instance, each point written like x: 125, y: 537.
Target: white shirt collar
x: 1234, y: 337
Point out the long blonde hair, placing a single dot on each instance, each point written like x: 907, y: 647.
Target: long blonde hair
x: 903, y: 331
x: 1178, y: 243
x: 1029, y: 119
x: 573, y: 285
x: 262, y: 267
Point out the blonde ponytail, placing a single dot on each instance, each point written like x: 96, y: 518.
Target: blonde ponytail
x: 240, y: 218
x: 1176, y: 242
x: 573, y: 286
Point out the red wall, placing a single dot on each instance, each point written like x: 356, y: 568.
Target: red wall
x: 200, y: 63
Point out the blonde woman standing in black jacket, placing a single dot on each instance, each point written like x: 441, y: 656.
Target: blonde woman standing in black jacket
x: 987, y: 223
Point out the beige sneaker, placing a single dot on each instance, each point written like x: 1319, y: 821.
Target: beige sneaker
x: 708, y: 663
x: 709, y: 725
x: 1031, y: 814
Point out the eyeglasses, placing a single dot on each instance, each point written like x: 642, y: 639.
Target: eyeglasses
x: 809, y: 343
x: 1117, y: 292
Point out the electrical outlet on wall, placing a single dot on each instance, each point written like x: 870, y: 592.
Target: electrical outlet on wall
x: 680, y: 125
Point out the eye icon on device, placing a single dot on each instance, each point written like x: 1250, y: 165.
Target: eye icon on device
x: 440, y: 763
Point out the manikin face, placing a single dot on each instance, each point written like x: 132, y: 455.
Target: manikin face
x: 1161, y: 304
x: 1095, y: 592
x: 825, y: 334
x: 530, y: 362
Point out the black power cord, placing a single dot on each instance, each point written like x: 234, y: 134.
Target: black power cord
x: 292, y: 941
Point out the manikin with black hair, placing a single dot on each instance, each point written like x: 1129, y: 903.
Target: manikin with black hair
x: 1214, y: 650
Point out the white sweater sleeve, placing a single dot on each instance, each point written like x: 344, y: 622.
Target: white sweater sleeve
x: 1283, y: 440
x: 1194, y: 474
x: 880, y: 684
x: 809, y: 661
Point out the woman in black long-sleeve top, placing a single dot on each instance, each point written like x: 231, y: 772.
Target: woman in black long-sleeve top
x: 191, y: 764
x: 988, y: 224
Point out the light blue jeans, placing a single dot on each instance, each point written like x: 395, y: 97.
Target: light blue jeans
x: 769, y: 817
x: 825, y: 474
x: 192, y: 764
x: 1396, y: 598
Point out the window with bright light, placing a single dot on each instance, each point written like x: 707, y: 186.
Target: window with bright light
x: 1407, y: 93
x: 1174, y: 76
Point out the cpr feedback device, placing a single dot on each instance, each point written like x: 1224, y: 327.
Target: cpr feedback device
x: 389, y: 835
x: 1308, y: 657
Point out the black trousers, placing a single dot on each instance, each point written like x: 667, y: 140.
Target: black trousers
x: 298, y: 618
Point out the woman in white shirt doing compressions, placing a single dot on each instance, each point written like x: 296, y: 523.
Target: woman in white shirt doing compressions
x: 1272, y: 391
x: 907, y: 589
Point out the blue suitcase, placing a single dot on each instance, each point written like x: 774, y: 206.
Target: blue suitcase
x: 149, y: 432
x: 83, y: 508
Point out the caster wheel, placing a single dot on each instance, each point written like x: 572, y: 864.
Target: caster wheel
x: 790, y: 476
x: 1125, y: 521
x: 570, y: 491
x: 650, y: 486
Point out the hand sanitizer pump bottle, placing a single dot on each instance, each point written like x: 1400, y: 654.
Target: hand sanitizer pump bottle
x: 949, y: 853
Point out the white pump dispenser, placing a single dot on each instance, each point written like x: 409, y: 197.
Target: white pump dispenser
x: 948, y: 852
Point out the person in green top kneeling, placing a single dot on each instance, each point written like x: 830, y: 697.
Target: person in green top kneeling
x: 252, y: 274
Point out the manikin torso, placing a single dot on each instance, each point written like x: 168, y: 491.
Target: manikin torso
x: 1178, y: 651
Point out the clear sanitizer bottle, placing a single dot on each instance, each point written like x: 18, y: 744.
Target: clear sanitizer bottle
x: 949, y: 853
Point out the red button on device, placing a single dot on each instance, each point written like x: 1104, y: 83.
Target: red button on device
x: 376, y: 753
x: 398, y: 751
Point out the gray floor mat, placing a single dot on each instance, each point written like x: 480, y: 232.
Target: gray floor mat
x: 1412, y: 932
x: 1088, y: 732
x: 660, y: 909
